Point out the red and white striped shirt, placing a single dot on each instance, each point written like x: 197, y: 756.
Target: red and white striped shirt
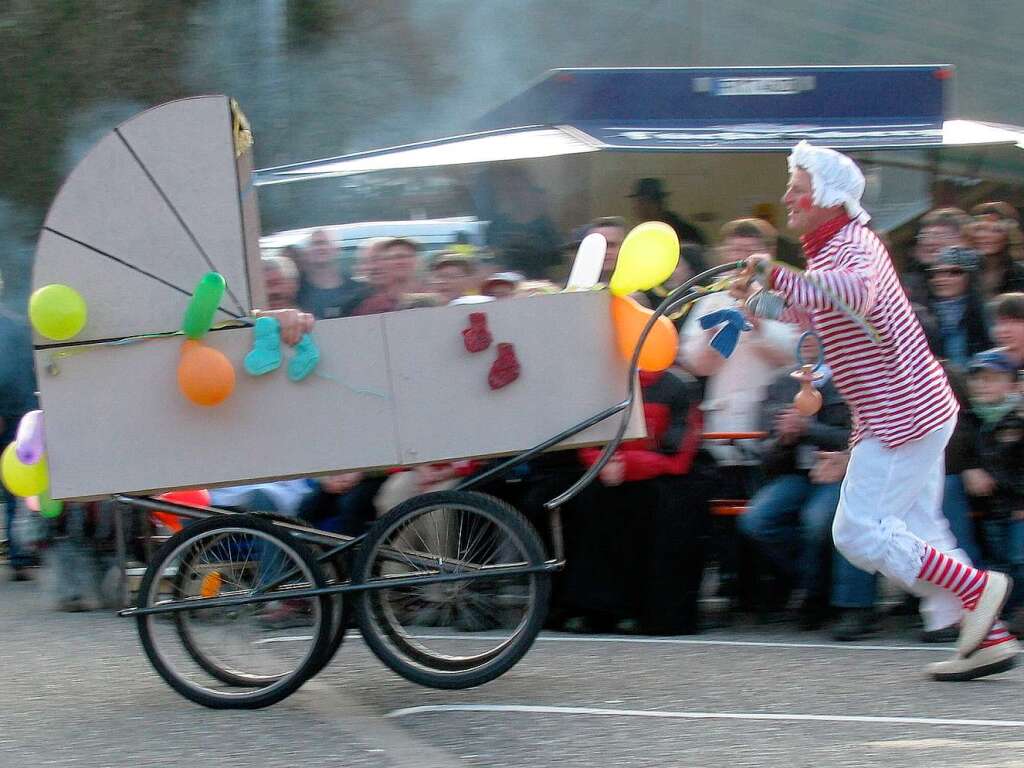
x: 895, y: 387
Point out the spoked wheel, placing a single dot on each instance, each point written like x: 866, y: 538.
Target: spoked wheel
x: 466, y: 623
x: 233, y: 655
x: 335, y: 570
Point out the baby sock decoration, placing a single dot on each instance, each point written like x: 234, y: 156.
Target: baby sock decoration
x: 305, y: 359
x: 505, y: 369
x: 266, y: 351
x: 477, y: 337
x: 725, y: 339
x: 266, y: 347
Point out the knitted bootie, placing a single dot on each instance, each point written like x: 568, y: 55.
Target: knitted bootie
x: 476, y: 338
x: 505, y: 369
x: 305, y: 358
x: 266, y: 347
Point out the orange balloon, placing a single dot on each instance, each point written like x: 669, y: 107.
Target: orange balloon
x: 205, y: 375
x: 662, y: 345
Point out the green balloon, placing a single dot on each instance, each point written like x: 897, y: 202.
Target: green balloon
x: 203, y: 305
x: 49, y: 507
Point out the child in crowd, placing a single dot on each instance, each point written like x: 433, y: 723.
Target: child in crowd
x: 999, y: 488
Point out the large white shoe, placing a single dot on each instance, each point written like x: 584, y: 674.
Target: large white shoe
x: 984, y: 661
x: 974, y: 625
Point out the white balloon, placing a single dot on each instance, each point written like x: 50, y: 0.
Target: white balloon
x: 586, y: 269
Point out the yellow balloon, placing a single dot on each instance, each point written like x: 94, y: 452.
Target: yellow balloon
x: 57, y: 311
x: 23, y: 479
x: 648, y: 257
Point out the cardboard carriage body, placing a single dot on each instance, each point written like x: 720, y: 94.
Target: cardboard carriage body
x: 167, y: 197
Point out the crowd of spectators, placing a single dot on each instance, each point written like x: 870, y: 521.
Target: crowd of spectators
x: 640, y: 542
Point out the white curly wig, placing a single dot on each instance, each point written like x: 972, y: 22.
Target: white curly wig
x: 835, y: 178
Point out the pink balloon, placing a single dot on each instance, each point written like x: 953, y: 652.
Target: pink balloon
x: 32, y: 502
x: 28, y: 445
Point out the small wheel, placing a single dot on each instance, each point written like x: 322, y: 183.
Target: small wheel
x: 236, y: 656
x: 456, y: 633
x: 336, y: 570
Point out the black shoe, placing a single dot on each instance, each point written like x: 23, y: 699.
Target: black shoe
x: 22, y: 574
x: 855, y: 624
x: 948, y: 634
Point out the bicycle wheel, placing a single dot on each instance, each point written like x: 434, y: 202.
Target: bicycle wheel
x: 456, y: 633
x: 233, y: 656
x: 335, y: 570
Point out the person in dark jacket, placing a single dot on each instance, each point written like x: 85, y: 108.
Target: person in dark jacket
x: 998, y: 489
x: 954, y: 299
x: 17, y: 397
x: 635, y: 540
x: 649, y: 205
x: 792, y: 500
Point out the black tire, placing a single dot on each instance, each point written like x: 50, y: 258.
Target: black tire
x: 254, y: 693
x: 336, y: 570
x: 401, y: 651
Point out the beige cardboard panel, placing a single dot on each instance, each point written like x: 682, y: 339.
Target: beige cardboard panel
x: 570, y: 370
x: 251, y: 231
x: 116, y: 422
x: 187, y: 146
x: 108, y: 203
x: 117, y: 297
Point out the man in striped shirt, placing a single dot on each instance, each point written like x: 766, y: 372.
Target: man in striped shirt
x: 889, y: 518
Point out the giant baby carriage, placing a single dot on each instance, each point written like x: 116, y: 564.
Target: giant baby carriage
x: 449, y: 588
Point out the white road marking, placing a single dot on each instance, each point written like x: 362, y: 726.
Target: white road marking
x: 288, y: 639
x: 770, y: 716
x: 552, y: 638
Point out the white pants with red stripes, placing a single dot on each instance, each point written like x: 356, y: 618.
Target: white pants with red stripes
x: 889, y: 507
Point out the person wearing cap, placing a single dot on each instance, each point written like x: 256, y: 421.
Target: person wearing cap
x: 649, y: 205
x: 889, y: 518
x: 955, y: 301
x: 1008, y: 326
x: 501, y: 285
x: 997, y: 488
x: 995, y: 234
x: 452, y: 275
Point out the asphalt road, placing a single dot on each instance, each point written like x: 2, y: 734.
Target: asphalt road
x: 75, y: 690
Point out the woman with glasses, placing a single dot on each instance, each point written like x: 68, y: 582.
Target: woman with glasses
x: 955, y: 302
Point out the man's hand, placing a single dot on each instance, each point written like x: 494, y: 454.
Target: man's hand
x: 759, y: 264
x: 293, y: 323
x: 830, y: 467
x: 343, y: 483
x: 978, y: 482
x: 790, y: 425
x: 614, y: 472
